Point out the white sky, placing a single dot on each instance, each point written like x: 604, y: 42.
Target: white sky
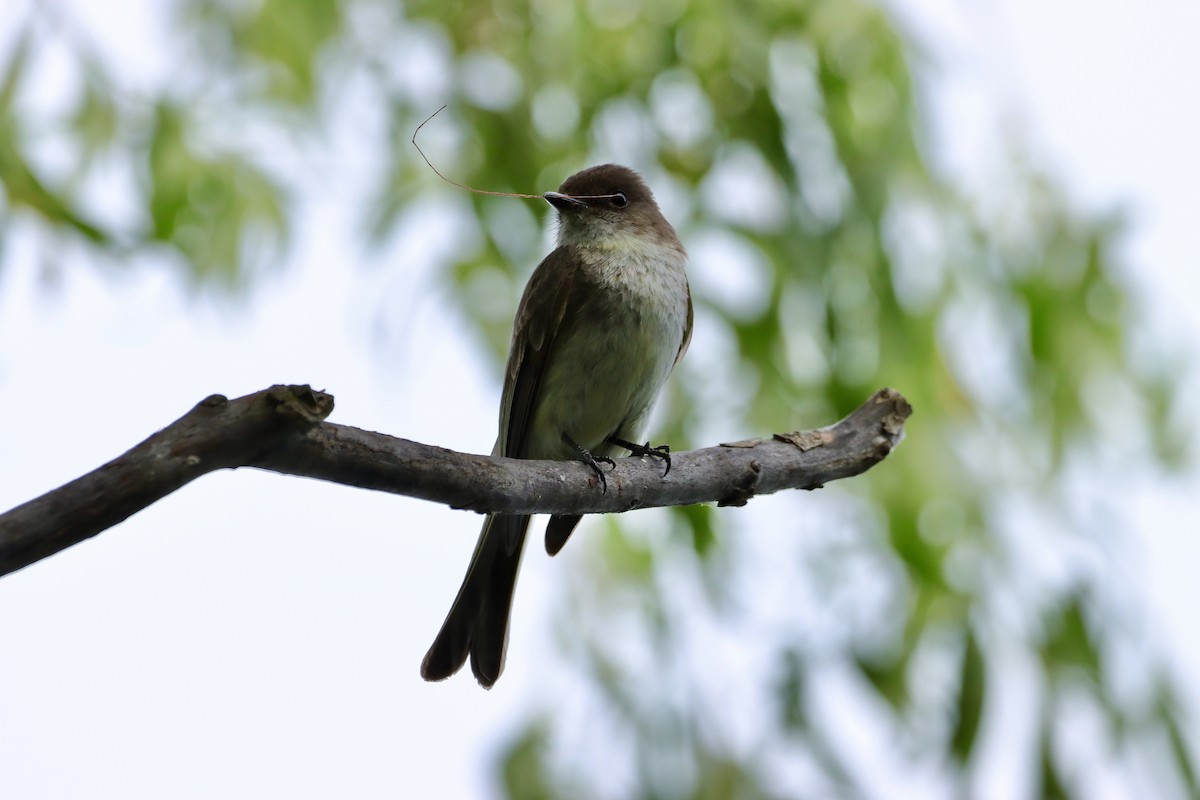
x: 258, y: 636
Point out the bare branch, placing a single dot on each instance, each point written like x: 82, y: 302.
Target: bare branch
x: 282, y: 429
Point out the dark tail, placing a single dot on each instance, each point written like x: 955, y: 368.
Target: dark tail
x: 558, y: 530
x: 477, y: 624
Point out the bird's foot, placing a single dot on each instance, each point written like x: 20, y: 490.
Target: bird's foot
x: 662, y: 451
x: 592, y: 461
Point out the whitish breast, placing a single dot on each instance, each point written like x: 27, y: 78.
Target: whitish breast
x: 614, y: 356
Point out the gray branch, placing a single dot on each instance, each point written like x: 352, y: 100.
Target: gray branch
x: 283, y: 429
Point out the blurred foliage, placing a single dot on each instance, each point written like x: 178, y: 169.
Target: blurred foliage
x: 832, y: 255
x: 191, y: 188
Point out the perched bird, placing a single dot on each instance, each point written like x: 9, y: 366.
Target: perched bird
x: 603, y: 320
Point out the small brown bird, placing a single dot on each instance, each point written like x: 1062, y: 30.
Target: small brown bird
x: 603, y: 320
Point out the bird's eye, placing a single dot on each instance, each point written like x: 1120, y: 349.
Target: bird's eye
x: 619, y: 200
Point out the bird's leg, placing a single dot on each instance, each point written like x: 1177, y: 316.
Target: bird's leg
x: 592, y: 461
x: 662, y: 451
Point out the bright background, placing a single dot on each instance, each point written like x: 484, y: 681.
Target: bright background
x: 258, y: 636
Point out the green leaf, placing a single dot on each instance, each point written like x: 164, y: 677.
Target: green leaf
x: 1052, y: 787
x: 1069, y: 644
x: 220, y: 212
x: 94, y: 121
x: 522, y: 766
x: 971, y: 693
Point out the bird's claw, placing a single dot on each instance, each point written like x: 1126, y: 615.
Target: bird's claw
x: 594, y: 462
x: 662, y: 451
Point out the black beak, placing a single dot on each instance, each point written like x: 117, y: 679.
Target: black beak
x: 563, y: 202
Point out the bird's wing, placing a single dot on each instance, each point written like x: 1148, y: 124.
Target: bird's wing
x: 687, y: 330
x: 548, y: 297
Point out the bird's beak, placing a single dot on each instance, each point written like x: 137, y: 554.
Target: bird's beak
x: 563, y: 202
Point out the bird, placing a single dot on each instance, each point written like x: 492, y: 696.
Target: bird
x: 603, y: 320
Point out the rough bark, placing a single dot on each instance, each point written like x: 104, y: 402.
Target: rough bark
x: 282, y: 429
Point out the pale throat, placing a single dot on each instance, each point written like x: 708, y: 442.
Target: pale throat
x: 616, y: 253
